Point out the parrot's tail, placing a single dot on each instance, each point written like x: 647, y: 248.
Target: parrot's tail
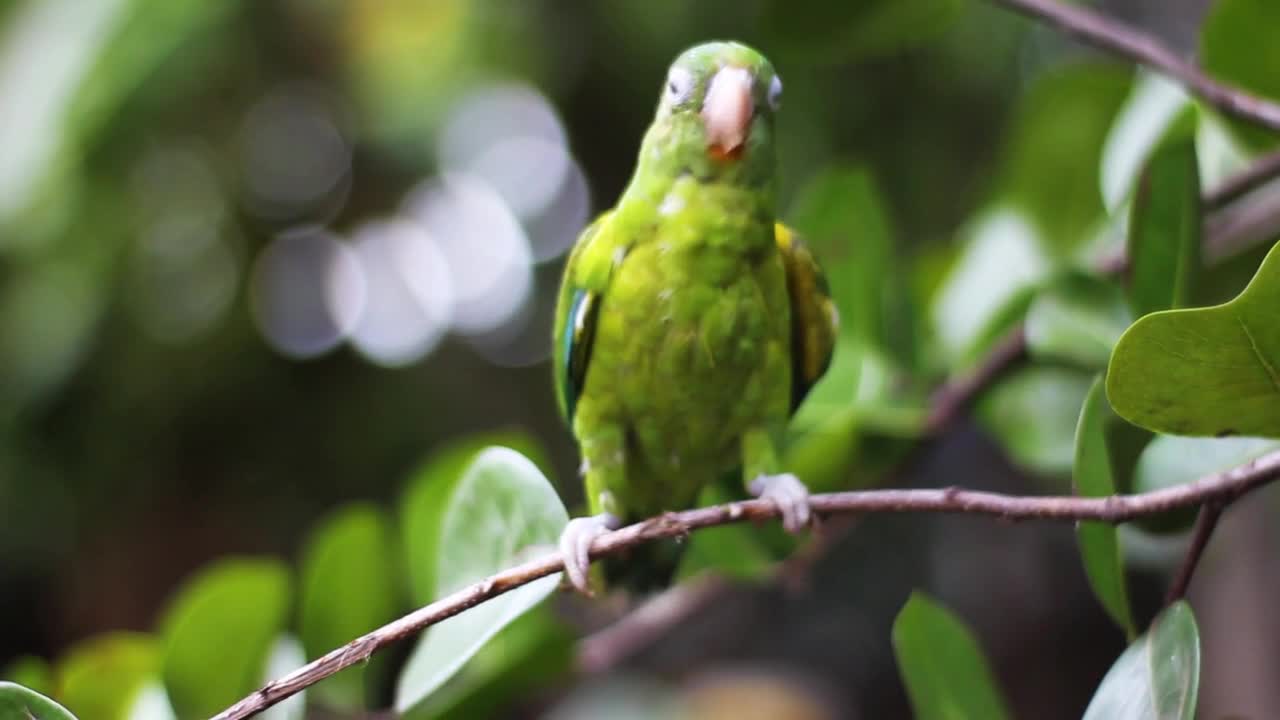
x: 645, y: 568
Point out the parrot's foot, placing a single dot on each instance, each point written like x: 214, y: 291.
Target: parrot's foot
x: 575, y: 545
x: 789, y: 495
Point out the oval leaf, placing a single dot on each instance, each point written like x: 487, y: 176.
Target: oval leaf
x: 1164, y: 224
x: 22, y: 703
x: 1077, y: 319
x: 1099, y: 548
x: 1205, y: 371
x: 348, y: 588
x: 420, y: 514
x: 1154, y: 103
x: 1033, y: 414
x: 1157, y: 677
x: 945, y: 672
x: 500, y: 509
x: 104, y: 676
x: 227, y: 617
x: 1050, y: 166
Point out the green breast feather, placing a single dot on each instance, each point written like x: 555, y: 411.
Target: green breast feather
x: 814, y: 320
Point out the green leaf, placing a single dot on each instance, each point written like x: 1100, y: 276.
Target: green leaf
x: 30, y: 672
x: 1205, y: 371
x: 430, y: 486
x: 116, y: 47
x: 1154, y: 103
x: 1164, y: 224
x: 218, y: 632
x: 840, y: 214
x: 828, y: 32
x: 21, y: 703
x: 1171, y: 460
x: 349, y: 587
x: 535, y: 649
x: 1077, y: 318
x: 1157, y: 677
x: 501, y: 509
x: 989, y: 286
x: 1050, y: 169
x: 1033, y: 413
x: 104, y: 676
x: 1237, y: 44
x: 1099, y: 547
x: 945, y: 672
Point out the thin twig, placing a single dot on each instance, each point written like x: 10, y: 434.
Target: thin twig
x: 1096, y: 29
x: 1221, y: 488
x: 956, y: 395
x: 1260, y: 172
x: 1206, y: 523
x: 639, y: 628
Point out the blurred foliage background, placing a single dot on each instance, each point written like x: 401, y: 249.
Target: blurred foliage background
x: 258, y: 259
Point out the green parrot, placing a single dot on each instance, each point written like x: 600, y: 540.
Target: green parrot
x: 690, y: 324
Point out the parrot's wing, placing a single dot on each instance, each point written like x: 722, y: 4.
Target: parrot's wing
x: 586, y: 277
x: 814, y: 320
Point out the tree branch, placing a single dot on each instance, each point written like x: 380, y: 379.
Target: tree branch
x: 1212, y: 493
x: 1219, y: 488
x: 1100, y: 31
x: 1206, y: 523
x: 1260, y: 172
x: 956, y: 395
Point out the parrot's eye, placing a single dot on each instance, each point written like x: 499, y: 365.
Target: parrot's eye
x: 775, y: 92
x: 679, y: 85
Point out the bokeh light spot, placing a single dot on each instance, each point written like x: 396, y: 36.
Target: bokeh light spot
x: 308, y: 289
x: 409, y: 298
x: 484, y: 245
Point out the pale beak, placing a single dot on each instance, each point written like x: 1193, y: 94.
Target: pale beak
x: 727, y: 110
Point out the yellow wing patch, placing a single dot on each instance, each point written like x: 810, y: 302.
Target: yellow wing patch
x: 814, y: 319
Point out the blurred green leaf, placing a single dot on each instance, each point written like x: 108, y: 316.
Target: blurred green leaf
x: 30, y: 672
x: 1237, y: 44
x: 840, y: 213
x: 989, y: 286
x: 945, y: 672
x: 218, y: 632
x: 427, y: 491
x: 1157, y: 677
x: 533, y: 650
x: 103, y: 677
x: 1050, y: 168
x: 501, y: 509
x: 1205, y: 371
x: 104, y: 53
x: 1033, y: 414
x: 823, y: 454
x: 1164, y: 224
x: 349, y: 587
x: 20, y: 703
x: 1154, y: 103
x: 1077, y: 318
x: 1099, y: 548
x: 847, y: 31
x: 285, y: 656
x: 1170, y: 460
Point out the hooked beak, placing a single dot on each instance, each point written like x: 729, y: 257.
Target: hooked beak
x: 727, y: 111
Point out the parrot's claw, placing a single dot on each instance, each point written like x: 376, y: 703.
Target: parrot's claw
x: 789, y: 495
x: 575, y: 545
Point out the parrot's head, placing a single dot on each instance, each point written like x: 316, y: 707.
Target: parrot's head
x: 715, y: 115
